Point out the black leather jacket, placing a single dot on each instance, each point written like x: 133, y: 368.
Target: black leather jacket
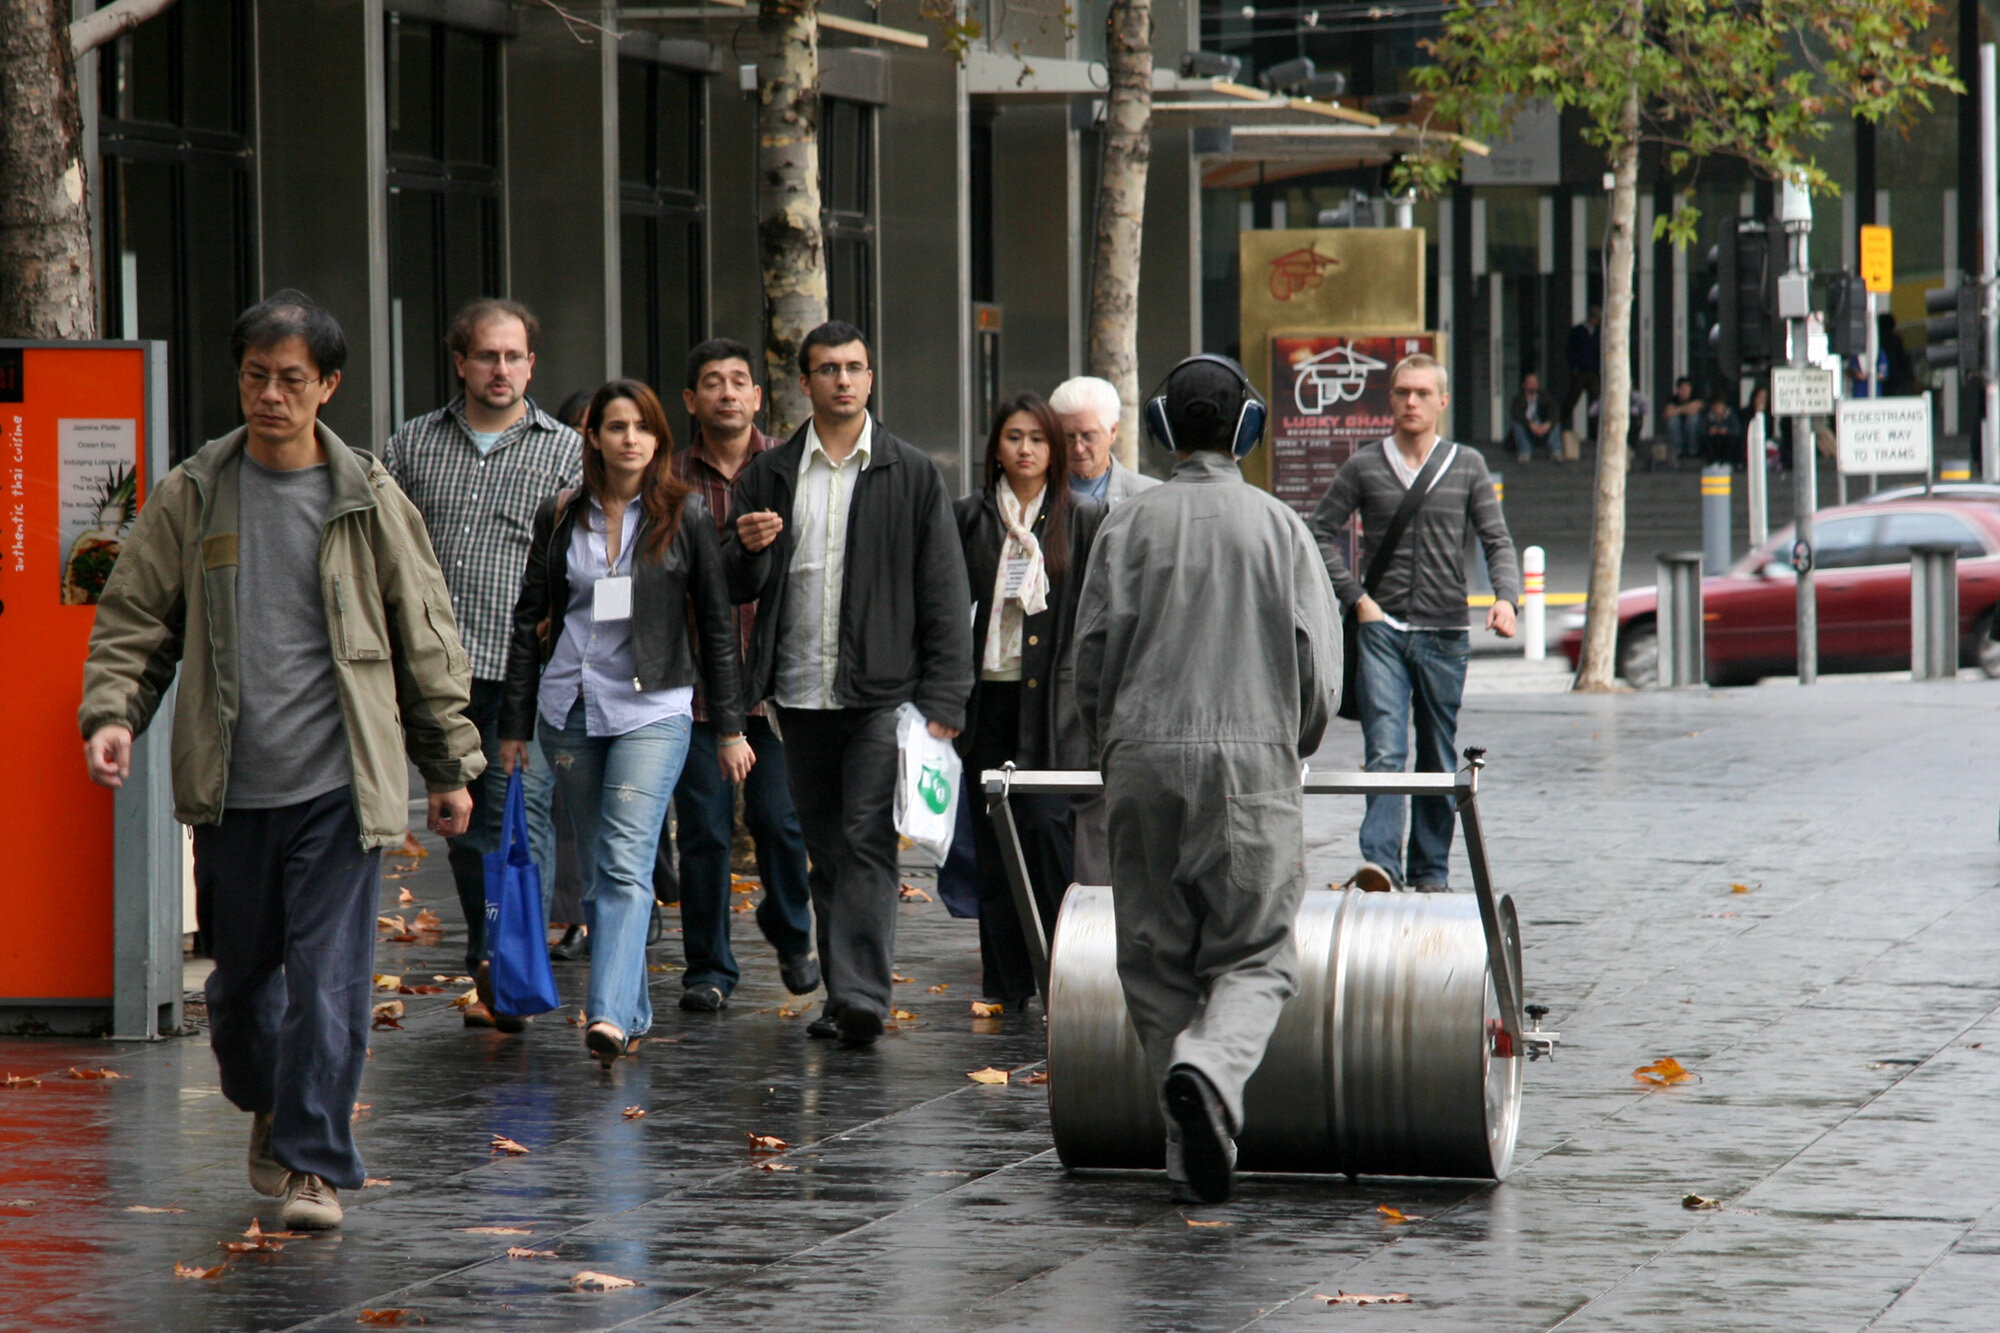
x: 685, y: 590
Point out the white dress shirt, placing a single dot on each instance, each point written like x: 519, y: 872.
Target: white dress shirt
x: 809, y: 633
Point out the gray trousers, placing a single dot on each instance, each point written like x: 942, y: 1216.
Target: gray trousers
x: 1207, y: 870
x: 1092, y: 863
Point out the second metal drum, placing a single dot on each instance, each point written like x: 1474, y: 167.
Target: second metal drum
x: 1382, y: 1064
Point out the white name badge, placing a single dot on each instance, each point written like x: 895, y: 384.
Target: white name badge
x: 612, y: 599
x: 1014, y: 578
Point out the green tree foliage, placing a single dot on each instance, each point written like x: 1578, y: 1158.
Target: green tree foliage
x: 1759, y: 80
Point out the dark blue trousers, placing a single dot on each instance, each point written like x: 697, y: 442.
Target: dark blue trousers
x: 288, y: 899
x: 705, y: 815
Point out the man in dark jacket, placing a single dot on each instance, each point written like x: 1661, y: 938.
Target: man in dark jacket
x: 1413, y: 641
x: 844, y: 538
x: 1585, y: 358
x: 1531, y: 421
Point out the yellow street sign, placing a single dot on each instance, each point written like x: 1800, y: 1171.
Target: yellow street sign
x: 1878, y: 262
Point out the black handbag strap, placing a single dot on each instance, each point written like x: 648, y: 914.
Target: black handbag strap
x: 1413, y: 500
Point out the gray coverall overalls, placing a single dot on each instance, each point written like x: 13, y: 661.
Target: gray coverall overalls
x: 1207, y: 664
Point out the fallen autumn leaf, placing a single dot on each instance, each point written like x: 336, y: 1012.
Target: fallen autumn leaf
x: 20, y: 1081
x: 360, y: 1109
x: 634, y: 1113
x: 1039, y: 1076
x: 913, y: 894
x: 1662, y: 1072
x: 195, y: 1270
x: 395, y: 923
x: 766, y: 1143
x: 1358, y: 1298
x: 521, y: 1252
x: 387, y: 1318
x: 74, y: 1072
x: 1699, y: 1201
x: 427, y: 920
x: 902, y: 1015
x: 589, y: 1281
x: 899, y: 979
x: 387, y: 982
x: 498, y: 1231
x: 139, y: 1208
x: 776, y: 1166
x: 938, y: 989
x: 981, y: 1009
x: 404, y: 898
x: 1195, y: 1222
x: 501, y: 1143
x: 988, y: 1075
x: 376, y: 1182
x: 1395, y: 1217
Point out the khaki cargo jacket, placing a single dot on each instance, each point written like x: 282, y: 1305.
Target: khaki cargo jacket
x: 403, y: 676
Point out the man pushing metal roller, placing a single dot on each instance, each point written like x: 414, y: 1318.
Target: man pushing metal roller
x: 1207, y: 666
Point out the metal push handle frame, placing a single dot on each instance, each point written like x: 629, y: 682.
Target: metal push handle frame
x: 1463, y: 786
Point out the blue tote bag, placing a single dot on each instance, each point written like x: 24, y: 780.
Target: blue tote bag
x: 516, y: 937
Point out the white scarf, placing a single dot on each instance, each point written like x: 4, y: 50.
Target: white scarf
x: 1004, y: 627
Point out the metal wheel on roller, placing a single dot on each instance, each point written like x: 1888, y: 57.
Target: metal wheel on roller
x: 1390, y: 1060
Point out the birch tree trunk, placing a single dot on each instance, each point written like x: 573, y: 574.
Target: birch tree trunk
x: 1121, y: 203
x: 791, y: 241
x: 46, y: 287
x: 1598, y: 669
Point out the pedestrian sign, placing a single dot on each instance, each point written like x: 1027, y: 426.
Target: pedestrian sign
x: 1801, y: 391
x: 1878, y: 262
x: 1884, y: 435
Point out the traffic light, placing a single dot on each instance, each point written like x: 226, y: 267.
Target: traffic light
x: 1847, y: 315
x: 1952, y: 333
x: 1742, y: 295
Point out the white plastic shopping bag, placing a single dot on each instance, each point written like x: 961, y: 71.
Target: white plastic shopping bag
x: 927, y: 781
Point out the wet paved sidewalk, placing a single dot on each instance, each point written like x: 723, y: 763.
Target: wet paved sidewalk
x: 1840, y: 1018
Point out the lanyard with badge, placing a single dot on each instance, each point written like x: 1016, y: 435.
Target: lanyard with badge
x: 611, y: 597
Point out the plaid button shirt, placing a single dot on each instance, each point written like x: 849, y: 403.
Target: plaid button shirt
x: 691, y: 465
x: 481, y: 511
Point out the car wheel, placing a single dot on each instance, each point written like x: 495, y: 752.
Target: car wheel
x: 1987, y: 651
x: 1639, y: 657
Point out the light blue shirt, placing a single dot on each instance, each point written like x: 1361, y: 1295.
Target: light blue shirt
x: 593, y: 657
x: 484, y: 440
x: 1098, y: 488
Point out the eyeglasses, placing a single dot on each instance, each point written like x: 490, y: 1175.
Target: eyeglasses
x: 291, y: 384
x: 512, y: 360
x: 833, y: 370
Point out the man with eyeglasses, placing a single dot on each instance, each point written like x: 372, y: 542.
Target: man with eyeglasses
x: 476, y: 469
x: 288, y: 582
x: 845, y: 540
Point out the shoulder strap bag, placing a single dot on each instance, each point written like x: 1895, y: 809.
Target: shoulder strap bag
x: 1378, y: 568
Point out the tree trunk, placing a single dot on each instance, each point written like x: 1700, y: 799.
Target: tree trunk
x: 1598, y: 669
x: 1121, y: 202
x: 46, y: 289
x: 789, y: 234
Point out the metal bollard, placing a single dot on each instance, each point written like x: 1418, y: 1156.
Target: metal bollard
x: 1715, y: 486
x: 1934, y: 611
x: 1682, y: 654
x: 1534, y: 604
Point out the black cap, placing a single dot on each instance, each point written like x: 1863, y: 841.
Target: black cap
x: 1204, y: 400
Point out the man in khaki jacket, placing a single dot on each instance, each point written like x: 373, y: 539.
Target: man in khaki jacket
x: 294, y: 587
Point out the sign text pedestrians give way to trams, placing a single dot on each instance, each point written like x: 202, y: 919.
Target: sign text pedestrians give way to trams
x: 1885, y: 435
x: 1801, y: 391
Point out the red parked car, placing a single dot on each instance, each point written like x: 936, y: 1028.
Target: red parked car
x: 1863, y: 581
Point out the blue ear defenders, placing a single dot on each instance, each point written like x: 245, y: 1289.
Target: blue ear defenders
x: 1249, y: 423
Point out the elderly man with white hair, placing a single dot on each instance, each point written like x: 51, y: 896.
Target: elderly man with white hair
x: 1090, y: 410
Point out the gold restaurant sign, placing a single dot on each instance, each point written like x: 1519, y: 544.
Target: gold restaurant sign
x: 1313, y: 282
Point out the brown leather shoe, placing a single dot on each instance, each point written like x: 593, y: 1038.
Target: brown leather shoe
x: 483, y: 981
x: 478, y: 1015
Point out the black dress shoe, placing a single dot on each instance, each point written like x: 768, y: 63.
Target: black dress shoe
x: 826, y: 1027
x: 570, y: 947
x: 859, y: 1027
x: 703, y: 998
x: 800, y: 973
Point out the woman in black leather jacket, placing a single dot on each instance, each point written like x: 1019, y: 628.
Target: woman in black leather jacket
x: 602, y: 656
x: 1027, y: 539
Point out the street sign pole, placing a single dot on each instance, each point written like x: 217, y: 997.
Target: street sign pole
x: 1795, y: 214
x: 1989, y: 267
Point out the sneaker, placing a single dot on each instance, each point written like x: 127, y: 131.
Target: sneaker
x: 1208, y: 1151
x: 859, y: 1027
x: 1371, y: 878
x: 800, y: 973
x: 266, y: 1176
x: 310, y: 1203
x: 703, y: 998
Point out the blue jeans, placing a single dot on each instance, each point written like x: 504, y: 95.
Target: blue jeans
x: 1525, y: 441
x: 1408, y: 675
x: 616, y: 788
x: 707, y: 808
x: 1685, y: 434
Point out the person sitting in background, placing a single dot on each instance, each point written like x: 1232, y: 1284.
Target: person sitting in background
x: 1027, y: 538
x: 1721, y: 436
x: 1682, y: 420
x: 1532, y: 419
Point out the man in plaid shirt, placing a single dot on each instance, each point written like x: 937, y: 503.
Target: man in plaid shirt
x: 477, y: 469
x: 723, y: 397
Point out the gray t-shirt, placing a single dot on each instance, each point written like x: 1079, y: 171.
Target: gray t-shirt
x: 290, y: 743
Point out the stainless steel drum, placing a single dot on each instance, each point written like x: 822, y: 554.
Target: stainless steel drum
x: 1391, y: 1060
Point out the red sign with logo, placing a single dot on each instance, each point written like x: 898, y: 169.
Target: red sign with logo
x: 1329, y: 397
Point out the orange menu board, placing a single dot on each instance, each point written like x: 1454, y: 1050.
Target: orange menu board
x: 75, y: 436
